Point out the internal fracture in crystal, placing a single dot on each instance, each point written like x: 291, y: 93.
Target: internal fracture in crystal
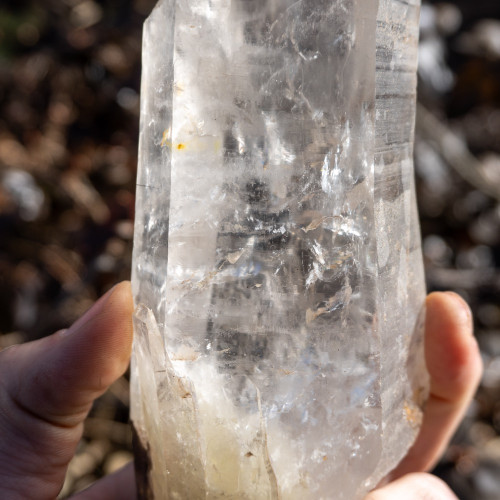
x: 277, y: 268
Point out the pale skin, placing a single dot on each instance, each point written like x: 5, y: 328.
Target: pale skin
x: 48, y: 386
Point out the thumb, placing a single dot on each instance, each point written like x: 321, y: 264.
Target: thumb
x: 47, y: 388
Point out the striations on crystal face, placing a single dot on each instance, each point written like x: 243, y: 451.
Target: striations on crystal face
x: 277, y: 270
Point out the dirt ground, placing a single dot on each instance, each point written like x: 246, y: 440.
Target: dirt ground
x: 69, y: 106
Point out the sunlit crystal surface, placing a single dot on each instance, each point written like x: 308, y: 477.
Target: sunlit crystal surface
x: 277, y: 268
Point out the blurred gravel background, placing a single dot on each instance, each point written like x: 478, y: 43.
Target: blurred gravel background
x: 69, y: 106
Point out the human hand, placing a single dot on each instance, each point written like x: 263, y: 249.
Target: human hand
x: 47, y: 388
x: 455, y: 368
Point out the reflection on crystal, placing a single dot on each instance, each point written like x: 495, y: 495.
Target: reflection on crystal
x: 277, y: 267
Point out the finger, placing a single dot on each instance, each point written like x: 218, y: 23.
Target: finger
x: 117, y: 486
x: 58, y: 377
x: 416, y: 486
x: 455, y: 368
x: 48, y: 388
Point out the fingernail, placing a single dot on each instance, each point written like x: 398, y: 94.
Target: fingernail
x: 88, y: 315
x: 463, y: 310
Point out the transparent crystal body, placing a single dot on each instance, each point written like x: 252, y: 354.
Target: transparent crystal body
x: 277, y: 269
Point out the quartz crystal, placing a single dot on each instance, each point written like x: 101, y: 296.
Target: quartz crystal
x: 277, y: 267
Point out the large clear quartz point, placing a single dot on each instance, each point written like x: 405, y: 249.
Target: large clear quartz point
x: 277, y: 267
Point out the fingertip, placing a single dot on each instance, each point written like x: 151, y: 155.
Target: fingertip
x: 452, y: 352
x: 450, y: 306
x: 119, y: 311
x: 121, y: 294
x: 104, y: 343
